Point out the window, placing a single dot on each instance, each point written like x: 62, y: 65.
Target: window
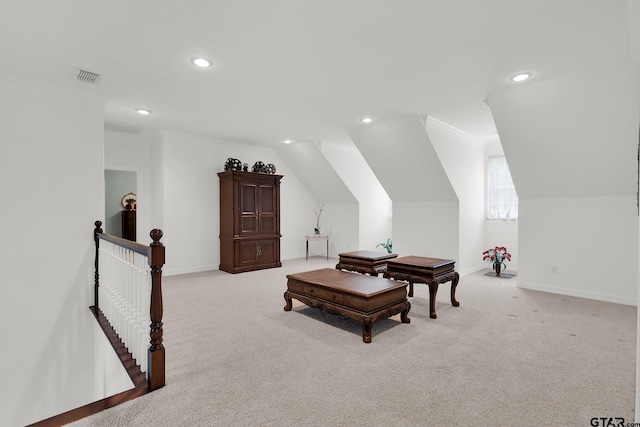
x: 502, y: 200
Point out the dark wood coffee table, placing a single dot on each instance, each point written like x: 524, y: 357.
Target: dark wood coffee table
x: 432, y: 271
x: 366, y: 299
x: 365, y: 262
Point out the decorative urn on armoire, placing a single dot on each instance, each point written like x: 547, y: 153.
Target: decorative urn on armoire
x: 249, y: 221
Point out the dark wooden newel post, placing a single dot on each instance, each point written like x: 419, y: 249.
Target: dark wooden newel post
x: 97, y: 231
x: 156, y: 350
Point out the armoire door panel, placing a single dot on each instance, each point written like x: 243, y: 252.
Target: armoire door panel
x: 248, y: 252
x: 248, y: 224
x: 249, y: 198
x: 249, y: 221
x: 267, y: 224
x: 268, y: 250
x: 267, y: 199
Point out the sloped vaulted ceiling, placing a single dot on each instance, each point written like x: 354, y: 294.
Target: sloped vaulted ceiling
x: 315, y: 172
x: 403, y: 159
x: 574, y: 135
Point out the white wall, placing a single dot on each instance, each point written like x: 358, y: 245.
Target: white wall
x: 637, y: 417
x: 500, y: 232
x: 426, y: 229
x: 571, y: 143
x: 321, y: 180
x: 316, y: 173
x: 592, y: 242
x: 127, y: 152
x: 296, y: 215
x: 339, y: 224
x: 402, y: 157
x: 463, y: 160
x: 181, y: 193
x: 575, y: 135
x: 52, y: 185
x: 157, y: 181
x: 374, y: 204
x: 191, y: 197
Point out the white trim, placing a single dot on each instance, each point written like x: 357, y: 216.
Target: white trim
x: 471, y: 270
x: 199, y: 269
x: 243, y: 147
x: 598, y: 296
x: 434, y: 125
x: 633, y: 9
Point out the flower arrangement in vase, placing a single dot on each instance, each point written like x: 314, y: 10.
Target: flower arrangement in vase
x: 496, y: 257
x: 316, y: 229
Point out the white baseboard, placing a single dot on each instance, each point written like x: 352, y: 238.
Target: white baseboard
x: 599, y: 296
x: 471, y: 270
x: 210, y: 267
x: 199, y: 269
x: 287, y: 257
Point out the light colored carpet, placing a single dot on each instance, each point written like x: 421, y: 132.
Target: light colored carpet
x: 505, y: 357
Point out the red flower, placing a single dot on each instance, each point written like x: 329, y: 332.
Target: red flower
x: 497, y: 254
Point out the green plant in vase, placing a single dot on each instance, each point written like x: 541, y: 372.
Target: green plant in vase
x: 316, y: 229
x: 387, y: 245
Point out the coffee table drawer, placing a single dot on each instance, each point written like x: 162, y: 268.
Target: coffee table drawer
x: 324, y: 294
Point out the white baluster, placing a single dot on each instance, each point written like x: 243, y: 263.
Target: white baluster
x: 125, y: 297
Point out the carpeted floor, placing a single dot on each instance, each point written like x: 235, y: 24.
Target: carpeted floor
x: 505, y: 357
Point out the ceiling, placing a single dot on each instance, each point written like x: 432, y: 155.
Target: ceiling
x: 304, y: 70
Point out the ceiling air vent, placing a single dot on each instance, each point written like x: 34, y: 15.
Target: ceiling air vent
x: 87, y: 76
x: 123, y: 127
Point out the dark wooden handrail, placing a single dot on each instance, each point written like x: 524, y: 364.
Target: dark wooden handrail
x: 128, y: 244
x: 155, y: 253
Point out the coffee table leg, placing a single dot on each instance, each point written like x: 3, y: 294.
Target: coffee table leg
x: 367, y: 325
x: 404, y: 316
x: 288, y: 304
x: 454, y: 285
x: 410, y: 288
x: 433, y: 290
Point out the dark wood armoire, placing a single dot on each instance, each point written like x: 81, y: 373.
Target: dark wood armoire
x: 249, y: 221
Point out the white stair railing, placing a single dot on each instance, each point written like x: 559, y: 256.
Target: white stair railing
x: 128, y: 295
x: 125, y: 296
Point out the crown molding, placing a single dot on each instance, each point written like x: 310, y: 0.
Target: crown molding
x: 442, y: 128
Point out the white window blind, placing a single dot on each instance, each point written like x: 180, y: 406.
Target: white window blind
x: 502, y: 200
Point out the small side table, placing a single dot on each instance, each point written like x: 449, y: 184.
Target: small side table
x: 431, y: 271
x: 365, y: 262
x: 318, y: 238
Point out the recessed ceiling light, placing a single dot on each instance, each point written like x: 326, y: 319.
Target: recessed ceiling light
x: 366, y: 120
x: 287, y: 141
x: 520, y: 77
x: 143, y: 111
x: 200, y: 62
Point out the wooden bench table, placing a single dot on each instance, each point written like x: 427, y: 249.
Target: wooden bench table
x: 432, y: 271
x: 365, y: 262
x: 366, y: 299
